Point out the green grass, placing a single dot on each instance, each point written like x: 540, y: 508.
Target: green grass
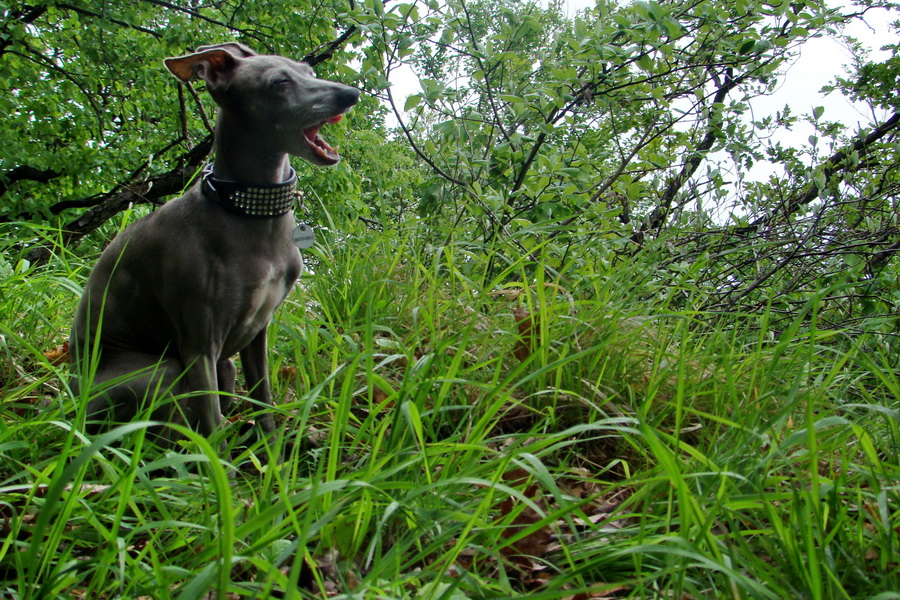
x: 621, y: 449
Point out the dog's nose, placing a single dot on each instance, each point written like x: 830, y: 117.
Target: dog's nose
x: 347, y: 96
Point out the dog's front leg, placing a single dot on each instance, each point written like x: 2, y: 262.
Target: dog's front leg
x: 225, y: 376
x: 202, y: 405
x: 256, y: 367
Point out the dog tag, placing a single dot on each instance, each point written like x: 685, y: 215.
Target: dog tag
x: 303, y: 236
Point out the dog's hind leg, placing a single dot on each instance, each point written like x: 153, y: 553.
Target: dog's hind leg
x: 128, y: 383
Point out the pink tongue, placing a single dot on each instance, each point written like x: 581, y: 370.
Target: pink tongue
x: 312, y: 132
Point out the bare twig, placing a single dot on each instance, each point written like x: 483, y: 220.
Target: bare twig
x: 326, y: 51
x: 203, y: 116
x: 89, y: 13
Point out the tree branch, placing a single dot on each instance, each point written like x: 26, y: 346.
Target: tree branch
x: 25, y: 173
x: 96, y: 15
x: 835, y: 165
x: 151, y: 190
x: 880, y: 259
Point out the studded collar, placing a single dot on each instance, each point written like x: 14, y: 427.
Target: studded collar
x: 250, y: 200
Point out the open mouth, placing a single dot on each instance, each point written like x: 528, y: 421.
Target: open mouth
x: 320, y: 148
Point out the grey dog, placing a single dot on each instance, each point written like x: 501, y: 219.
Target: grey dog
x: 182, y: 290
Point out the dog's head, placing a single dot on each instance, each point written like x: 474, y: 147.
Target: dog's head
x: 271, y: 95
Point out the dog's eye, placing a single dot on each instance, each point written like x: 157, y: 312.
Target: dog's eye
x: 282, y: 81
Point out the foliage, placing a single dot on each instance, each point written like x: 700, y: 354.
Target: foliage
x: 95, y: 122
x: 554, y: 340
x: 533, y: 136
x: 548, y: 137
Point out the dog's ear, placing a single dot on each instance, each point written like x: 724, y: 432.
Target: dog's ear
x: 210, y: 63
x: 239, y: 50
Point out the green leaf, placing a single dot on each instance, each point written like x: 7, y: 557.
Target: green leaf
x: 645, y: 62
x: 747, y: 46
x: 412, y: 101
x: 448, y: 36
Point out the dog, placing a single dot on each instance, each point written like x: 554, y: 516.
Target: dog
x: 185, y: 288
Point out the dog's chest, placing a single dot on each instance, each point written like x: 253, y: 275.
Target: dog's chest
x: 264, y: 298
x: 260, y: 298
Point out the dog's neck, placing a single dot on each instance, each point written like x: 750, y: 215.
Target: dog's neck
x: 246, y: 151
x: 248, y: 178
